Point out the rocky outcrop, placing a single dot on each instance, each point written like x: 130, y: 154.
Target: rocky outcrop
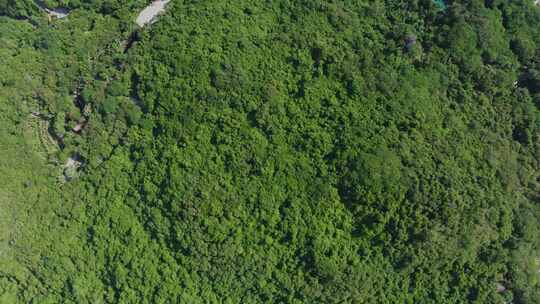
x: 149, y: 14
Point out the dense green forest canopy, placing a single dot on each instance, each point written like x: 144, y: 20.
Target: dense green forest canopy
x: 279, y: 151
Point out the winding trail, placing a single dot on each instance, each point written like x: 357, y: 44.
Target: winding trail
x: 147, y: 16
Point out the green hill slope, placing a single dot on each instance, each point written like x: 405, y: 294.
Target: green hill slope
x: 276, y: 152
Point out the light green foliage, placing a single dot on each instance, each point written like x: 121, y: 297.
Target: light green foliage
x: 275, y: 152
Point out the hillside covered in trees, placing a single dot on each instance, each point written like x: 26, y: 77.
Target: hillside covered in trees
x: 370, y: 151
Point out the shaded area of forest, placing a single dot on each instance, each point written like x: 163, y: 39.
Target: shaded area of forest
x: 295, y: 152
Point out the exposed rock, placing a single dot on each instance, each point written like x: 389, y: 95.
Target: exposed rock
x: 71, y: 167
x: 73, y: 162
x: 58, y: 13
x: 81, y: 123
x: 87, y: 110
x: 78, y: 127
x: 149, y: 14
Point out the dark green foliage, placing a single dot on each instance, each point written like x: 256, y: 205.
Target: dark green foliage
x: 282, y: 152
